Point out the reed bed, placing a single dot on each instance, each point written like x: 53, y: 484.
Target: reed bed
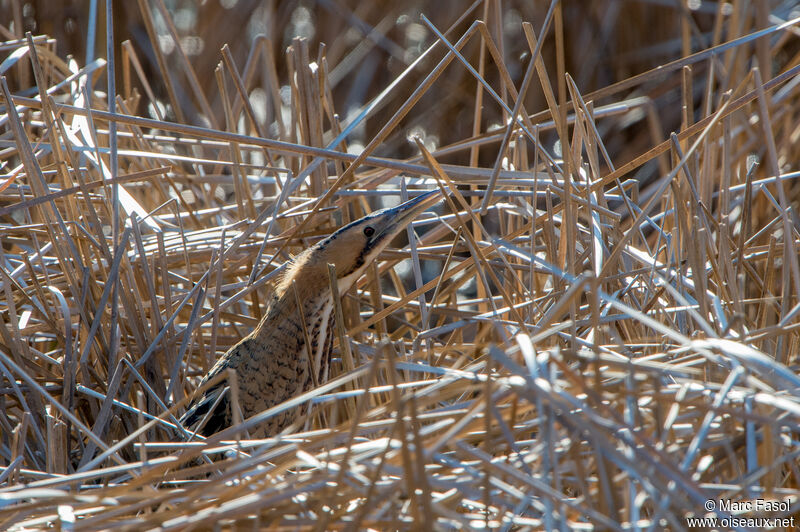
x: 596, y: 329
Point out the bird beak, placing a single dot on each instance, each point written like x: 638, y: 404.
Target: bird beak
x: 400, y: 216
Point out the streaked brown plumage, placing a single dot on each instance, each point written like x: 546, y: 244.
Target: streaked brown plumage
x: 273, y: 364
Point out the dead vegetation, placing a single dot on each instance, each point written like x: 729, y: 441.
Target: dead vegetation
x: 597, y: 329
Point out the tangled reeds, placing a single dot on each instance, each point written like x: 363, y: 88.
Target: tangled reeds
x: 597, y: 329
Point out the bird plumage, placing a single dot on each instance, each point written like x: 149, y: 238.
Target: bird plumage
x: 273, y: 363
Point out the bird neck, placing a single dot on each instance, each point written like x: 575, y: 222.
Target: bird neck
x: 300, y: 320
x: 307, y: 295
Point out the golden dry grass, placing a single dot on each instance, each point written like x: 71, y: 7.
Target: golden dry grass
x: 598, y: 328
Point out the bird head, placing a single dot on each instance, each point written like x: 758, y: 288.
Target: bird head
x: 353, y: 247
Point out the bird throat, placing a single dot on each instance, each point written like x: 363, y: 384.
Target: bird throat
x: 318, y: 317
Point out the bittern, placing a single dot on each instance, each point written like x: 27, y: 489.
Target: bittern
x: 274, y: 362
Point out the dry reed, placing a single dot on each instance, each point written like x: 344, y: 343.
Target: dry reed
x: 597, y: 329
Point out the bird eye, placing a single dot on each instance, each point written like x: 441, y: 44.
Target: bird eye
x: 369, y: 231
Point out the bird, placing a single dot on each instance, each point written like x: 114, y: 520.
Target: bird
x: 274, y: 363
